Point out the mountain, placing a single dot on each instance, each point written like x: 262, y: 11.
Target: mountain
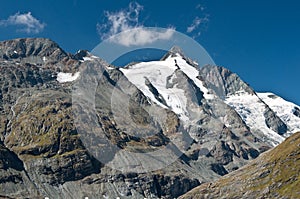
x: 73, y: 126
x: 275, y: 174
x: 269, y: 119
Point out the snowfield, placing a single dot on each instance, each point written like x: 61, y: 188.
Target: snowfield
x: 284, y: 110
x: 67, y: 77
x: 251, y: 109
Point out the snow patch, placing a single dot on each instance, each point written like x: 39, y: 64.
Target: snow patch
x: 87, y: 59
x: 94, y: 57
x: 90, y: 58
x: 67, y: 77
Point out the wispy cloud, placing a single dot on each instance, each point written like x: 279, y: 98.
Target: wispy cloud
x: 199, y: 22
x: 24, y: 23
x: 196, y: 24
x: 119, y: 21
x: 128, y: 20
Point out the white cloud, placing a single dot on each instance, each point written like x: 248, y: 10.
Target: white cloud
x: 120, y: 21
x: 141, y: 36
x: 196, y: 24
x: 25, y: 23
x: 127, y: 21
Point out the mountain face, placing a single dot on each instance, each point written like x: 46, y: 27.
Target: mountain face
x: 73, y: 126
x: 274, y: 174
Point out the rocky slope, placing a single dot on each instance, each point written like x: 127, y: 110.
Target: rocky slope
x: 73, y: 126
x: 275, y: 174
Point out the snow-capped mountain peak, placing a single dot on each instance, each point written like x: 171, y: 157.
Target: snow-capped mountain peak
x: 163, y: 76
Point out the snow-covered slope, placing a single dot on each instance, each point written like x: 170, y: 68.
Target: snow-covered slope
x: 251, y: 109
x: 287, y: 111
x: 160, y: 74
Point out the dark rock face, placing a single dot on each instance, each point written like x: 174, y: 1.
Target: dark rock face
x: 80, y: 54
x: 219, y: 169
x: 9, y: 160
x: 174, y: 186
x: 153, y: 90
x: 13, y: 178
x: 70, y: 167
x: 222, y: 153
x: 191, y: 90
x: 274, y: 122
x: 296, y: 112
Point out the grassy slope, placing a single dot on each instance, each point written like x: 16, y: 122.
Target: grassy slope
x: 275, y: 174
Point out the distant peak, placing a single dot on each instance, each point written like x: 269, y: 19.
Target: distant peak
x: 176, y: 49
x: 27, y: 41
x: 25, y: 47
x: 173, y: 52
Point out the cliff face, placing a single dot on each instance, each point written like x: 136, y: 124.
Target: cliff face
x: 72, y: 126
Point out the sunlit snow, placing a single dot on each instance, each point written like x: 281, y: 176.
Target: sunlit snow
x: 87, y: 59
x: 283, y: 109
x: 67, y: 77
x: 251, y: 109
x: 157, y: 72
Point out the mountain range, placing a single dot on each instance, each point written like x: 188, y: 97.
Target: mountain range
x: 74, y: 126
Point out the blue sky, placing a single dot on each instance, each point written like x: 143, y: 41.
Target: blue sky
x: 257, y: 39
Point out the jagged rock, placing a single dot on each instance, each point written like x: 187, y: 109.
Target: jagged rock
x: 21, y: 48
x: 222, y: 81
x: 296, y: 112
x: 222, y: 153
x: 274, y: 122
x: 219, y: 169
x: 81, y: 54
x: 9, y: 160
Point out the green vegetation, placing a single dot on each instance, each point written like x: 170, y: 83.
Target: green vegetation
x: 275, y: 174
x: 44, y: 128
